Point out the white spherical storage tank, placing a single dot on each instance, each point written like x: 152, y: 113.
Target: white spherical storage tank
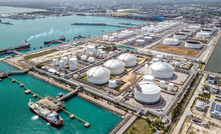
x: 84, y: 57
x: 73, y: 63
x: 188, y: 33
x: 193, y: 44
x: 140, y: 42
x: 147, y: 93
x: 91, y: 59
x: 180, y: 36
x: 98, y: 75
x: 112, y: 83
x: 55, y: 62
x: 177, y: 64
x: 61, y: 64
x: 90, y: 49
x: 161, y: 70
x: 171, y: 86
x: 148, y: 39
x: 129, y: 59
x: 105, y: 37
x: 111, y: 38
x: 171, y: 41
x: 148, y: 78
x: 115, y: 66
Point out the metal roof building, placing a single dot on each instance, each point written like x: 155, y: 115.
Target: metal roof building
x: 215, y: 110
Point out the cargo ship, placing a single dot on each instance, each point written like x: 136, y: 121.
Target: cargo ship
x: 23, y: 45
x: 51, y: 117
x: 61, y: 39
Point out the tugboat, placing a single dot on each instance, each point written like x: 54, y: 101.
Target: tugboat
x: 51, y: 117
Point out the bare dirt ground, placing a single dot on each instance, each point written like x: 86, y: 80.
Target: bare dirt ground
x: 177, y: 50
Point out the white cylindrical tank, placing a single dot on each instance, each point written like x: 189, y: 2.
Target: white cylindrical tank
x: 148, y: 39
x: 162, y: 83
x: 171, y: 86
x: 84, y: 57
x: 139, y: 42
x: 180, y: 36
x: 188, y: 33
x: 191, y: 29
x: 129, y: 41
x: 203, y: 34
x: 73, y: 63
x: 111, y: 38
x: 177, y: 64
x: 153, y: 36
x: 98, y: 75
x: 103, y: 55
x: 82, y: 52
x: 55, y: 62
x: 171, y: 41
x: 193, y: 44
x: 105, y: 37
x: 155, y: 60
x: 65, y: 60
x: 161, y: 70
x: 61, y: 64
x: 115, y: 66
x: 160, y: 57
x: 147, y: 93
x: 90, y: 49
x: 112, y: 83
x: 148, y: 78
x: 207, y: 31
x: 91, y: 59
x: 111, y: 53
x: 120, y: 36
x: 129, y: 59
x: 114, y: 35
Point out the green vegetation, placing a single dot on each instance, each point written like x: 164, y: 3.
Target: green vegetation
x: 216, y: 14
x: 85, y: 80
x: 141, y: 127
x: 204, y: 96
x: 112, y: 77
x: 39, y: 54
x: 13, y: 55
x: 39, y: 65
x: 118, y: 88
x: 201, y: 64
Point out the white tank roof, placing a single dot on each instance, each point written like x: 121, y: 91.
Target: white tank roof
x: 161, y: 67
x: 149, y: 88
x: 114, y: 63
x: 127, y: 57
x: 98, y: 71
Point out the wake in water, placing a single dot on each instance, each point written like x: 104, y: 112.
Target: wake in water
x: 55, y: 32
x: 34, y: 117
x: 48, y: 123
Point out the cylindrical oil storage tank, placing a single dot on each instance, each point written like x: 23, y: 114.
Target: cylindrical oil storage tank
x: 91, y: 59
x: 129, y: 59
x: 161, y: 70
x: 177, y: 64
x: 149, y: 30
x: 129, y: 41
x: 162, y: 83
x: 203, y: 34
x: 147, y: 93
x: 156, y: 30
x: 171, y: 41
x: 55, y: 62
x: 111, y: 53
x: 160, y: 57
x: 105, y: 37
x: 155, y: 60
x: 191, y: 29
x: 82, y: 52
x: 188, y: 33
x: 171, y: 86
x: 139, y: 37
x: 193, y: 44
x: 180, y: 36
x: 122, y: 32
x: 112, y: 83
x: 114, y: 35
x: 65, y: 60
x: 61, y: 64
x: 83, y: 57
x: 207, y: 31
x: 73, y: 63
x: 148, y: 78
x: 90, y: 49
x: 140, y: 42
x: 98, y: 75
x: 111, y: 38
x: 103, y: 55
x: 195, y: 27
x: 148, y: 39
x: 153, y: 36
x: 115, y: 66
x: 120, y: 36
x: 210, y: 28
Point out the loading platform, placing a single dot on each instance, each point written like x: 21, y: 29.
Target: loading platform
x: 69, y: 94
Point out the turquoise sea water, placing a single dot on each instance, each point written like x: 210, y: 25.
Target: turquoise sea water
x: 214, y: 64
x: 16, y: 116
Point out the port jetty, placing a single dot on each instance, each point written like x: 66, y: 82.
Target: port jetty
x: 98, y: 24
x: 7, y: 23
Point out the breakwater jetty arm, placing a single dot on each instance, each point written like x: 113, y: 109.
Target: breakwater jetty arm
x: 98, y: 24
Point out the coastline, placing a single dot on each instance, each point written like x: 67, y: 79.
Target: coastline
x: 22, y: 8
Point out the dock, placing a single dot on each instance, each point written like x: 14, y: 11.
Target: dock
x: 98, y: 24
x: 69, y: 94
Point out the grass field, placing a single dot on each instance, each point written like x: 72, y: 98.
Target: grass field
x: 177, y: 50
x: 39, y: 54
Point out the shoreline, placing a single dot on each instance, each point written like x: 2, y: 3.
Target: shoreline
x: 23, y: 8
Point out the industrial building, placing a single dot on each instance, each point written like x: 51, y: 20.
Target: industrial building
x: 215, y: 110
x: 200, y: 105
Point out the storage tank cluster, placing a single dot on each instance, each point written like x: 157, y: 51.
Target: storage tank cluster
x: 180, y: 36
x: 98, y: 75
x: 115, y: 66
x: 193, y: 44
x: 147, y: 93
x: 161, y: 70
x: 171, y: 41
x: 125, y: 33
x: 129, y: 59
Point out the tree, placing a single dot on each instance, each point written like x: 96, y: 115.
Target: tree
x: 148, y: 120
x: 165, y: 129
